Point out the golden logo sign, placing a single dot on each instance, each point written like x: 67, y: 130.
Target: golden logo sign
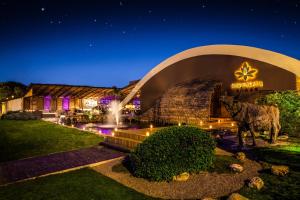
x: 244, y: 74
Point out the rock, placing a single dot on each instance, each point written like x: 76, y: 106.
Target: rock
x: 181, y: 177
x: 283, y: 137
x: 240, y: 156
x: 265, y: 165
x: 256, y: 183
x: 186, y: 102
x: 280, y: 170
x: 236, y: 167
x: 236, y: 196
x: 208, y: 198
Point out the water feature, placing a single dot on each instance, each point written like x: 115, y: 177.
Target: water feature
x: 114, y: 113
x: 113, y: 121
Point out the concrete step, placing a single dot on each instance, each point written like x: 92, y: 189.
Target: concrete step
x: 122, y: 142
x: 133, y: 136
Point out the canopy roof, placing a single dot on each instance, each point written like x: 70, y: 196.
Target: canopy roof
x: 60, y: 90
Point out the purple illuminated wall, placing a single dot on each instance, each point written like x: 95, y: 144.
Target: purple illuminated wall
x: 47, y: 103
x: 65, y: 103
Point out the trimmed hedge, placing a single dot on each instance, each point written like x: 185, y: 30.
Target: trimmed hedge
x: 172, y: 151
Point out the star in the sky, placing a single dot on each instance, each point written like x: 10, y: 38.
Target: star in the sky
x: 43, y: 9
x: 95, y: 20
x: 149, y: 11
x: 164, y: 20
x: 203, y: 6
x: 121, y: 3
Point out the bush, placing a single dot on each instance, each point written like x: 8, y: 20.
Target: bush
x: 288, y: 103
x: 172, y: 151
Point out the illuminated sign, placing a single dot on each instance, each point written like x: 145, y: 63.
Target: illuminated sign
x: 249, y: 84
x: 244, y: 75
x: 89, y: 103
x: 246, y: 72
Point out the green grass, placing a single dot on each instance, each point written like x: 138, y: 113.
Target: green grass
x: 81, y: 184
x: 221, y: 164
x: 287, y: 187
x: 22, y: 139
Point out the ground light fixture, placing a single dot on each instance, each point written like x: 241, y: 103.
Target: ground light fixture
x: 179, y: 124
x: 210, y: 126
x: 147, y: 133
x: 113, y: 134
x: 151, y: 126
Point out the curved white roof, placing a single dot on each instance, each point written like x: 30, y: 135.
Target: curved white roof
x: 266, y: 56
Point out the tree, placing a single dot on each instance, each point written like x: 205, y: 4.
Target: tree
x: 11, y: 89
x: 288, y: 103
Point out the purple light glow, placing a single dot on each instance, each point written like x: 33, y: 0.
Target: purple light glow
x: 106, y: 100
x: 65, y: 103
x: 47, y: 103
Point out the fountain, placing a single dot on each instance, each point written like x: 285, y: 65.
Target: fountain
x: 114, y: 113
x: 113, y: 120
x: 113, y: 116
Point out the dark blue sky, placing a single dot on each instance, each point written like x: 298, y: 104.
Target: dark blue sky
x: 105, y: 43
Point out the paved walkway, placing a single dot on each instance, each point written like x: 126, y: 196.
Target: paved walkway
x: 17, y: 170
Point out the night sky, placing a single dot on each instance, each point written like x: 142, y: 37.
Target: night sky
x: 106, y: 43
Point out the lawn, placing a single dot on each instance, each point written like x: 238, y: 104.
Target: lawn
x: 276, y: 187
x: 81, y: 184
x: 23, y: 139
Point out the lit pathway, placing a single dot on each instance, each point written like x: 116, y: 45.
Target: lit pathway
x: 17, y: 170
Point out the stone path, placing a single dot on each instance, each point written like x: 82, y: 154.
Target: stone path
x: 13, y: 171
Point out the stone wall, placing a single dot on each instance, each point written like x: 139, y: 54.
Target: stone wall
x: 188, y: 102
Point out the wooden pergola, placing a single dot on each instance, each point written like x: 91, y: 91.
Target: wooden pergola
x: 60, y: 90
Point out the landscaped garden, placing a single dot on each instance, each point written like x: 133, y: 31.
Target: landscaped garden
x: 23, y: 139
x: 182, y: 162
x: 277, y: 187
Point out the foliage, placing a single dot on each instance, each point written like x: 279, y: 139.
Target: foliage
x: 76, y: 185
x: 288, y: 103
x: 172, y: 151
x: 22, y: 139
x: 9, y: 89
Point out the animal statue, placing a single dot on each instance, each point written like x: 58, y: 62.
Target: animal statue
x: 253, y: 118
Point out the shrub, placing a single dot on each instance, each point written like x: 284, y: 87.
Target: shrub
x: 172, y: 151
x: 288, y: 103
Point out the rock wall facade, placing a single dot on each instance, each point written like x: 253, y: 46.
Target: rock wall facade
x: 188, y: 102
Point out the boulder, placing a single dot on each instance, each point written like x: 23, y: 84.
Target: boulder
x: 236, y: 196
x: 236, y: 167
x: 181, y: 177
x: 280, y: 170
x: 240, y: 156
x: 256, y: 183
